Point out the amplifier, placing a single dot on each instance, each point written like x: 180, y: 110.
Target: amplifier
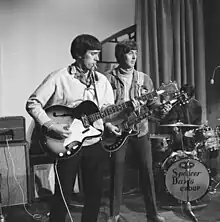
x: 12, y: 128
x: 15, y: 172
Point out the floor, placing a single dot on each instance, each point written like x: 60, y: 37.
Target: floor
x: 206, y: 210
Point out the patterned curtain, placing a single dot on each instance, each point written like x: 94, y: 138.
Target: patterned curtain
x: 170, y: 34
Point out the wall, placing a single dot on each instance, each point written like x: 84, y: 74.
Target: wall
x: 35, y: 37
x: 212, y: 48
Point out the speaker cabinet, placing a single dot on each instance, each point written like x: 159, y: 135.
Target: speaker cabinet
x: 15, y: 173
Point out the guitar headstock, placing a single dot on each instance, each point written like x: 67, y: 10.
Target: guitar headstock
x: 168, y: 88
x: 181, y: 98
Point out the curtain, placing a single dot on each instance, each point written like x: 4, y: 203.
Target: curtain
x: 170, y: 35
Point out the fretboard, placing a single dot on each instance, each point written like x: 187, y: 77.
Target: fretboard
x: 130, y: 122
x: 116, y: 108
x: 109, y: 110
x: 147, y: 96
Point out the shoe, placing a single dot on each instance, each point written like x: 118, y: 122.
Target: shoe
x: 121, y: 219
x: 117, y: 218
x: 156, y: 218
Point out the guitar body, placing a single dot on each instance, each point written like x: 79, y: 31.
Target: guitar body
x: 61, y: 148
x: 112, y: 143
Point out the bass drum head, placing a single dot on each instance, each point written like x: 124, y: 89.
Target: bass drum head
x: 197, y: 176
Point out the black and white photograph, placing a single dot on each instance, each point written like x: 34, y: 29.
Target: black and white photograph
x: 109, y: 110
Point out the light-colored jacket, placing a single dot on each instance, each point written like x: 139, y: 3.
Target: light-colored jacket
x: 62, y: 88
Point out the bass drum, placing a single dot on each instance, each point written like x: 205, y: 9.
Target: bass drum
x: 187, y: 179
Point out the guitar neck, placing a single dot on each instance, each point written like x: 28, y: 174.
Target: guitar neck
x: 116, y: 108
x: 109, y: 110
x: 146, y: 113
x: 136, y: 119
x: 151, y: 95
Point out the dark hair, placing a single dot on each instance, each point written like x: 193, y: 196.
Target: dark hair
x: 82, y: 43
x: 124, y: 47
x: 189, y: 89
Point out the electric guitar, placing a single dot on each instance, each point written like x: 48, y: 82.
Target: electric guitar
x: 81, y: 120
x: 112, y: 143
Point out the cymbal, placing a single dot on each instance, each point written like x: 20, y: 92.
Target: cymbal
x: 180, y: 125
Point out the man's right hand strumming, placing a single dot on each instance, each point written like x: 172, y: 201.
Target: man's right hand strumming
x: 113, y: 129
x: 60, y: 129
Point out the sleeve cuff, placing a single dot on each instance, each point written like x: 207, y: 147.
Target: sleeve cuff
x: 48, y: 124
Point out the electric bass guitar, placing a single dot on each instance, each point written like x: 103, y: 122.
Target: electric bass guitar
x: 81, y: 120
x: 112, y: 143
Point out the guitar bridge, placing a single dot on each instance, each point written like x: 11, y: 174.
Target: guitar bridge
x: 85, y: 121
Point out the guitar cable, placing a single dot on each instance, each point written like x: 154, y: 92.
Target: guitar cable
x: 61, y: 191
x: 35, y: 216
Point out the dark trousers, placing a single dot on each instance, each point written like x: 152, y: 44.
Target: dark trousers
x: 90, y: 159
x: 141, y: 150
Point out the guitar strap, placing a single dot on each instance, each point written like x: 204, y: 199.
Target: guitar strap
x: 95, y: 89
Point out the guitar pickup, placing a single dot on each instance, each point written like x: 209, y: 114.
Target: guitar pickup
x: 86, y: 130
x: 73, y: 145
x: 85, y: 121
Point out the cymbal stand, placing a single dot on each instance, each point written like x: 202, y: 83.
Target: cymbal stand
x: 187, y: 207
x: 181, y: 138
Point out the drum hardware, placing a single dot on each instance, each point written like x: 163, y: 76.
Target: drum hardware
x: 180, y: 124
x: 187, y: 206
x: 160, y: 142
x: 176, y: 168
x: 189, y: 133
x: 214, y: 185
x: 186, y: 175
x: 189, y: 175
x: 188, y: 211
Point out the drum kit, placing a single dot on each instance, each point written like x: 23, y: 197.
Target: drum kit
x: 185, y: 173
